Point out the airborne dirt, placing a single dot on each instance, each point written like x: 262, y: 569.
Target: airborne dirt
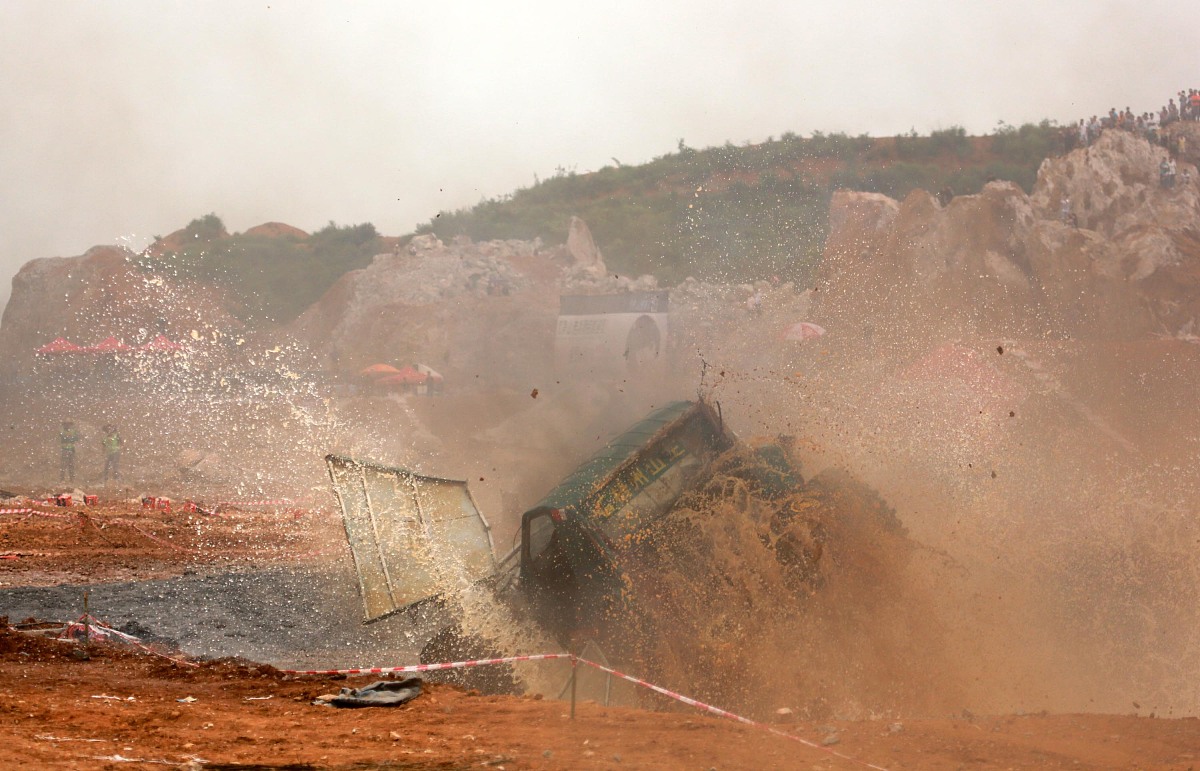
x: 268, y: 597
x: 998, y: 499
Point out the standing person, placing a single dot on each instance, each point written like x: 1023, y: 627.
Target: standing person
x: 112, y: 453
x: 67, y: 439
x: 1065, y: 209
x: 754, y: 303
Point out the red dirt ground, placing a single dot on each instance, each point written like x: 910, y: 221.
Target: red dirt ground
x: 118, y: 707
x: 57, y: 711
x: 118, y: 541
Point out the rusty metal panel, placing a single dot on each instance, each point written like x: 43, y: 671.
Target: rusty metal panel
x: 412, y: 536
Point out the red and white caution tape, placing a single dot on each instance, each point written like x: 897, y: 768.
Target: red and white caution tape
x: 52, y: 515
x: 724, y: 713
x: 92, y: 628
x: 575, y: 659
x: 36, y: 513
x: 428, y: 667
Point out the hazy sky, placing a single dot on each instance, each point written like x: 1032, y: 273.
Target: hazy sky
x: 122, y: 120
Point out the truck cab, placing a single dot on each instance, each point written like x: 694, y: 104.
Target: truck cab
x: 575, y: 540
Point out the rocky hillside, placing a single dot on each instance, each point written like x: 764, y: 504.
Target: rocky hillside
x: 1122, y: 263
x: 473, y: 310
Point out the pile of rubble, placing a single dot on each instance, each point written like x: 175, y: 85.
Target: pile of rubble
x: 429, y: 271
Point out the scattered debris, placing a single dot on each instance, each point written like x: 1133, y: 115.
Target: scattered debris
x: 49, y: 738
x: 381, y: 693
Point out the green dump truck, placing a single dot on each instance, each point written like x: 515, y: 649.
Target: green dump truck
x: 417, y: 538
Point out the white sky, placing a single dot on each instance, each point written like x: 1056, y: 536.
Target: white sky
x: 123, y: 120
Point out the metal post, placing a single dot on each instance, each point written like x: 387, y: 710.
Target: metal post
x: 574, y: 669
x: 87, y: 623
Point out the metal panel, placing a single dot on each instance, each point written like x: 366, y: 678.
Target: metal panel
x: 412, y: 536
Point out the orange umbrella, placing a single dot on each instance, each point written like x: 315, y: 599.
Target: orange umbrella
x: 379, y: 369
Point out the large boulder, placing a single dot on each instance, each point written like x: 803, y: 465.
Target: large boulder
x: 586, y: 256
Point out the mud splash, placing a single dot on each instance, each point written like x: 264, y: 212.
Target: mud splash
x: 805, y: 599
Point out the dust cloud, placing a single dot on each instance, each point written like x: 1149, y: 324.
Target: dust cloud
x: 1053, y: 557
x: 993, y: 525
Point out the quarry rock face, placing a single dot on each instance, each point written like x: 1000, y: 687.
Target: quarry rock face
x: 1117, y: 265
x: 455, y: 305
x: 1184, y: 139
x: 104, y: 293
x: 488, y: 307
x: 448, y: 306
x: 1113, y: 185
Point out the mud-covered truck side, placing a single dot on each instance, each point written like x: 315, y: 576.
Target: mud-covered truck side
x: 585, y: 548
x: 574, y: 541
x: 415, y: 537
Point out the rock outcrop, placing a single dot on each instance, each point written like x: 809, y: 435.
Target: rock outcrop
x: 1003, y: 263
x: 486, y: 307
x: 583, y: 250
x: 104, y: 293
x: 483, y: 309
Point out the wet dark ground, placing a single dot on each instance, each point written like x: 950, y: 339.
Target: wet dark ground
x: 295, y: 618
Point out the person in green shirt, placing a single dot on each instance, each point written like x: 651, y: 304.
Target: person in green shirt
x: 112, y: 453
x: 67, y: 439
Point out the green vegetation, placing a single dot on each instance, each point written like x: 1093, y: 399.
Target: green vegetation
x: 728, y: 213
x: 206, y: 228
x: 738, y: 213
x: 275, y: 278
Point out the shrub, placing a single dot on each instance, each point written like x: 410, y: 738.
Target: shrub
x: 1028, y: 145
x: 205, y: 228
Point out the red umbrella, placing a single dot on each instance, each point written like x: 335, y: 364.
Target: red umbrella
x: 59, y: 345
x: 161, y: 343
x: 805, y: 330
x: 108, y: 345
